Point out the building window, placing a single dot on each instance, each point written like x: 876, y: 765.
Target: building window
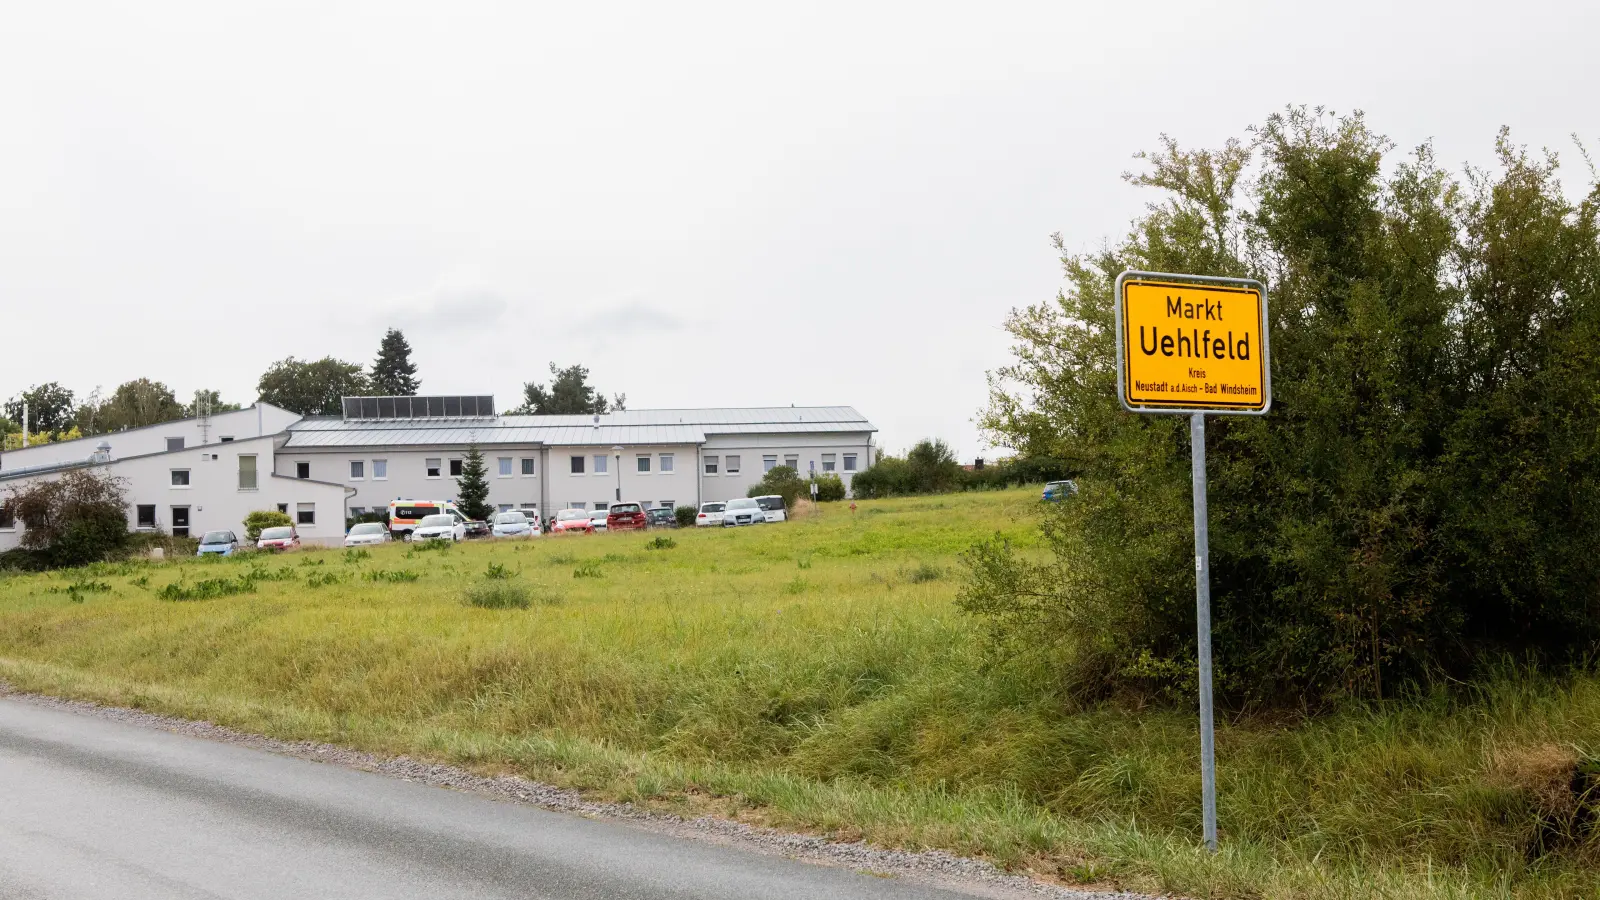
x: 666, y: 462
x: 357, y: 511
x: 146, y: 515
x: 433, y: 467
x: 667, y: 504
x: 226, y: 439
x: 527, y: 465
x: 768, y: 463
x: 505, y: 507
x: 849, y: 462
x: 644, y: 462
x: 283, y: 508
x: 455, y: 468
x: 577, y: 467
x: 792, y: 460
x: 358, y: 469
x: 302, y: 470
x: 305, y: 514
x: 247, y: 473
x: 827, y: 462
x: 711, y: 465
x: 578, y: 505
x: 180, y: 477
x: 174, y: 444
x: 599, y: 463
x: 380, y: 470
x: 731, y: 466
x: 8, y: 519
x: 505, y: 466
x: 602, y: 505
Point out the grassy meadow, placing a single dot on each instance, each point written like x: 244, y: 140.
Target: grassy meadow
x: 818, y: 675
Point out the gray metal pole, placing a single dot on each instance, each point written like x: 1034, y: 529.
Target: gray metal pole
x: 1202, y: 603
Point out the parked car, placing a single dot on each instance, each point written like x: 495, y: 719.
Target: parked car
x: 772, y: 505
x: 598, y: 519
x: 365, y: 534
x: 221, y: 543
x: 404, y: 515
x: 477, y: 528
x: 514, y: 524
x: 743, y: 511
x: 572, y: 520
x: 282, y: 537
x: 661, y: 517
x: 710, y: 514
x: 1059, y: 490
x: 533, y: 517
x: 625, y: 517
x: 442, y: 527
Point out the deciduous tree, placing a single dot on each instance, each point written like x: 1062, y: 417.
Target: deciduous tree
x: 569, y: 394
x: 312, y: 388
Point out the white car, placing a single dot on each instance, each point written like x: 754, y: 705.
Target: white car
x: 743, y: 511
x: 514, y: 524
x: 710, y: 514
x: 365, y: 534
x: 772, y: 505
x: 439, y: 528
x: 598, y: 519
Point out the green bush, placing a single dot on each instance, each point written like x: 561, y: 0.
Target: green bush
x: 79, y: 518
x: 1424, y: 495
x: 830, y: 488
x: 781, y: 480
x: 263, y: 519
x: 929, y: 468
x: 685, y: 516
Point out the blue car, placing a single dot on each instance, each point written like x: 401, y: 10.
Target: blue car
x: 1059, y: 490
x: 219, y: 542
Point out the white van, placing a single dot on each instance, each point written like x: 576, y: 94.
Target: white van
x: 405, y: 514
x: 772, y: 505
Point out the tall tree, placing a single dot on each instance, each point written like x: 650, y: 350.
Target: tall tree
x: 213, y: 401
x: 569, y: 394
x: 312, y: 388
x: 134, y: 404
x: 393, y: 372
x: 50, y: 408
x: 472, y: 494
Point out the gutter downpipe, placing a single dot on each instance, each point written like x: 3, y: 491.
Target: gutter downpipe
x: 699, y: 475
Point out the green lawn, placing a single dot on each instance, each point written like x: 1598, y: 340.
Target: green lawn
x: 814, y: 675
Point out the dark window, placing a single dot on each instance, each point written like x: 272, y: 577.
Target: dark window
x: 455, y: 468
x: 227, y: 440
x: 283, y: 507
x: 577, y: 465
x: 302, y: 470
x: 180, y: 477
x: 174, y: 444
x: 147, y: 516
x: 527, y: 465
x: 306, y: 514
x: 644, y: 463
x: 8, y: 519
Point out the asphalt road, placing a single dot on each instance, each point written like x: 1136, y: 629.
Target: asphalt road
x: 92, y: 809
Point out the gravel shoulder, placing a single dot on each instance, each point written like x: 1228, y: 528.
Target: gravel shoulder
x: 931, y: 867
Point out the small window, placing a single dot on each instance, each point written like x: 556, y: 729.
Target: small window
x: 146, y: 515
x: 380, y: 470
x: 180, y: 477
x: 433, y: 467
x: 827, y: 462
x: 792, y: 460
x: 505, y: 507
x: 578, y: 505
x: 577, y: 467
x: 666, y: 462
x: 849, y: 462
x: 505, y: 466
x: 283, y: 508
x: 711, y: 465
x: 247, y: 472
x: 302, y: 470
x: 667, y: 504
x: 455, y: 468
x: 527, y: 465
x: 227, y: 440
x: 305, y: 514
x: 358, y: 469
x: 644, y: 462
x: 599, y: 463
x: 8, y: 519
x: 602, y: 505
x: 174, y: 444
x: 732, y: 465
x: 357, y: 511
x: 768, y: 463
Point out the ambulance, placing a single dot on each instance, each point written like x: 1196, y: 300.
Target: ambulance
x: 405, y: 514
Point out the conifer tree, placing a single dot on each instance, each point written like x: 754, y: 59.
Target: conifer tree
x: 472, y: 495
x: 393, y: 372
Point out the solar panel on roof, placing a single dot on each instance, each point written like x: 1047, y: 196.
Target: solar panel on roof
x: 444, y: 407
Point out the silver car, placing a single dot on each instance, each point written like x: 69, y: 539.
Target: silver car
x: 514, y: 524
x: 743, y: 511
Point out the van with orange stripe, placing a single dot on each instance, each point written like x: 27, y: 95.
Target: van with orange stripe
x: 405, y: 514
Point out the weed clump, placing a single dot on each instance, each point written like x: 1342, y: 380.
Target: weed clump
x: 208, y: 589
x: 661, y: 542
x: 922, y: 573
x: 496, y: 571
x: 590, y: 569
x: 499, y: 593
x: 83, y: 585
x: 392, y: 575
x: 323, y: 579
x: 355, y: 555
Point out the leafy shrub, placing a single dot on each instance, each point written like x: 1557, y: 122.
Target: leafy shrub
x: 208, y: 589
x: 685, y: 516
x: 323, y: 579
x: 781, y: 480
x: 497, y: 571
x: 830, y: 488
x: 357, y: 554
x: 77, y: 518
x: 261, y: 519
x: 499, y: 594
x: 661, y: 542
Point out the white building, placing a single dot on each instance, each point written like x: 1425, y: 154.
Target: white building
x: 197, y: 475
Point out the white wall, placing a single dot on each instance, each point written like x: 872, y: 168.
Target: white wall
x: 256, y: 421
x: 649, y: 489
x: 213, y: 496
x: 809, y: 449
x: 406, y: 476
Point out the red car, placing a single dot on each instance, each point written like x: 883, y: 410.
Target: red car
x: 625, y: 517
x: 570, y: 521
x: 283, y: 537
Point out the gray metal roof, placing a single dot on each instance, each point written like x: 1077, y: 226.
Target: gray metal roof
x: 631, y: 428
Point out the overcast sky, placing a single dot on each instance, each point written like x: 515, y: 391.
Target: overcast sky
x: 755, y: 204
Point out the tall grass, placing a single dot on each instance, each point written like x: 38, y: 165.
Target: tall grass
x: 815, y: 674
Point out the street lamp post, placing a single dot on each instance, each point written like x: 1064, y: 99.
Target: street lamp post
x: 618, y: 450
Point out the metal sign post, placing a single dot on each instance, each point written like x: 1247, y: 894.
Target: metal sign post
x: 1195, y: 344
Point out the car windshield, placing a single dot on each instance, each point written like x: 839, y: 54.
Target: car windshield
x: 276, y: 534
x: 625, y: 509
x: 743, y: 504
x: 217, y: 537
x: 571, y: 515
x: 438, y: 521
x: 367, y: 528
x: 713, y: 507
x: 510, y: 518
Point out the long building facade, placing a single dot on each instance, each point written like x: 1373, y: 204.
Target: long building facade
x: 197, y: 475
